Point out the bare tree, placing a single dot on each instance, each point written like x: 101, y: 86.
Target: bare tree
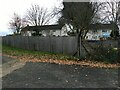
x: 38, y: 16
x: 80, y: 15
x: 17, y: 23
x: 110, y: 14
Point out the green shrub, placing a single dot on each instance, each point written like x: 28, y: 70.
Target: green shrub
x: 105, y: 54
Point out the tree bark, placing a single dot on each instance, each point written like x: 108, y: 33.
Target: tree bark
x: 79, y: 44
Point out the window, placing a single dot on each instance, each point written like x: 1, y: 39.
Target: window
x: 104, y: 30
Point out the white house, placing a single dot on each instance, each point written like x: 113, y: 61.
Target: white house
x: 96, y: 31
x: 46, y: 30
x: 97, y: 34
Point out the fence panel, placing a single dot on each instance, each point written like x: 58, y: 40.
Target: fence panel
x: 65, y: 45
x: 56, y: 45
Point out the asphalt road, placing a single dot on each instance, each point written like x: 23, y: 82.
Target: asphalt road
x: 46, y: 75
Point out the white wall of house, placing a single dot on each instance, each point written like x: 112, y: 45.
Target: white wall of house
x: 51, y: 32
x: 44, y: 33
x: 91, y: 35
x: 27, y: 33
x: 96, y: 35
x: 57, y: 33
x: 62, y: 32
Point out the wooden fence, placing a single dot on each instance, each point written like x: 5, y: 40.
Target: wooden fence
x: 64, y: 45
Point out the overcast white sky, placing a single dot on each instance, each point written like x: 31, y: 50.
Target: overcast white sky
x: 8, y: 7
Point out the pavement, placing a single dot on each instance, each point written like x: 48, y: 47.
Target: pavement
x: 6, y: 59
x: 50, y: 75
x: 8, y: 65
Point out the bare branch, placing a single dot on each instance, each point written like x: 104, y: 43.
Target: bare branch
x: 38, y: 16
x: 17, y: 23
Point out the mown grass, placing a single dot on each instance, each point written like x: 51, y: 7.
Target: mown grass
x: 104, y: 57
x: 0, y: 47
x: 35, y: 54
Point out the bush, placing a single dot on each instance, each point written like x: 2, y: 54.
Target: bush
x: 114, y: 34
x: 105, y: 54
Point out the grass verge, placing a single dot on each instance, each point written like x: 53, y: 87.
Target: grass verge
x: 36, y: 56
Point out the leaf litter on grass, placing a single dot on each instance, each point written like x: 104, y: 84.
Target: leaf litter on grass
x: 68, y: 62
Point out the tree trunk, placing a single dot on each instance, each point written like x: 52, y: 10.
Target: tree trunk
x: 79, y: 44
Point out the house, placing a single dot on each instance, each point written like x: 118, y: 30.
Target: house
x: 46, y: 30
x: 98, y: 31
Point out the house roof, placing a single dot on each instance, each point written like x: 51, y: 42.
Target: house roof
x: 59, y: 27
x: 102, y: 26
x: 40, y: 28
